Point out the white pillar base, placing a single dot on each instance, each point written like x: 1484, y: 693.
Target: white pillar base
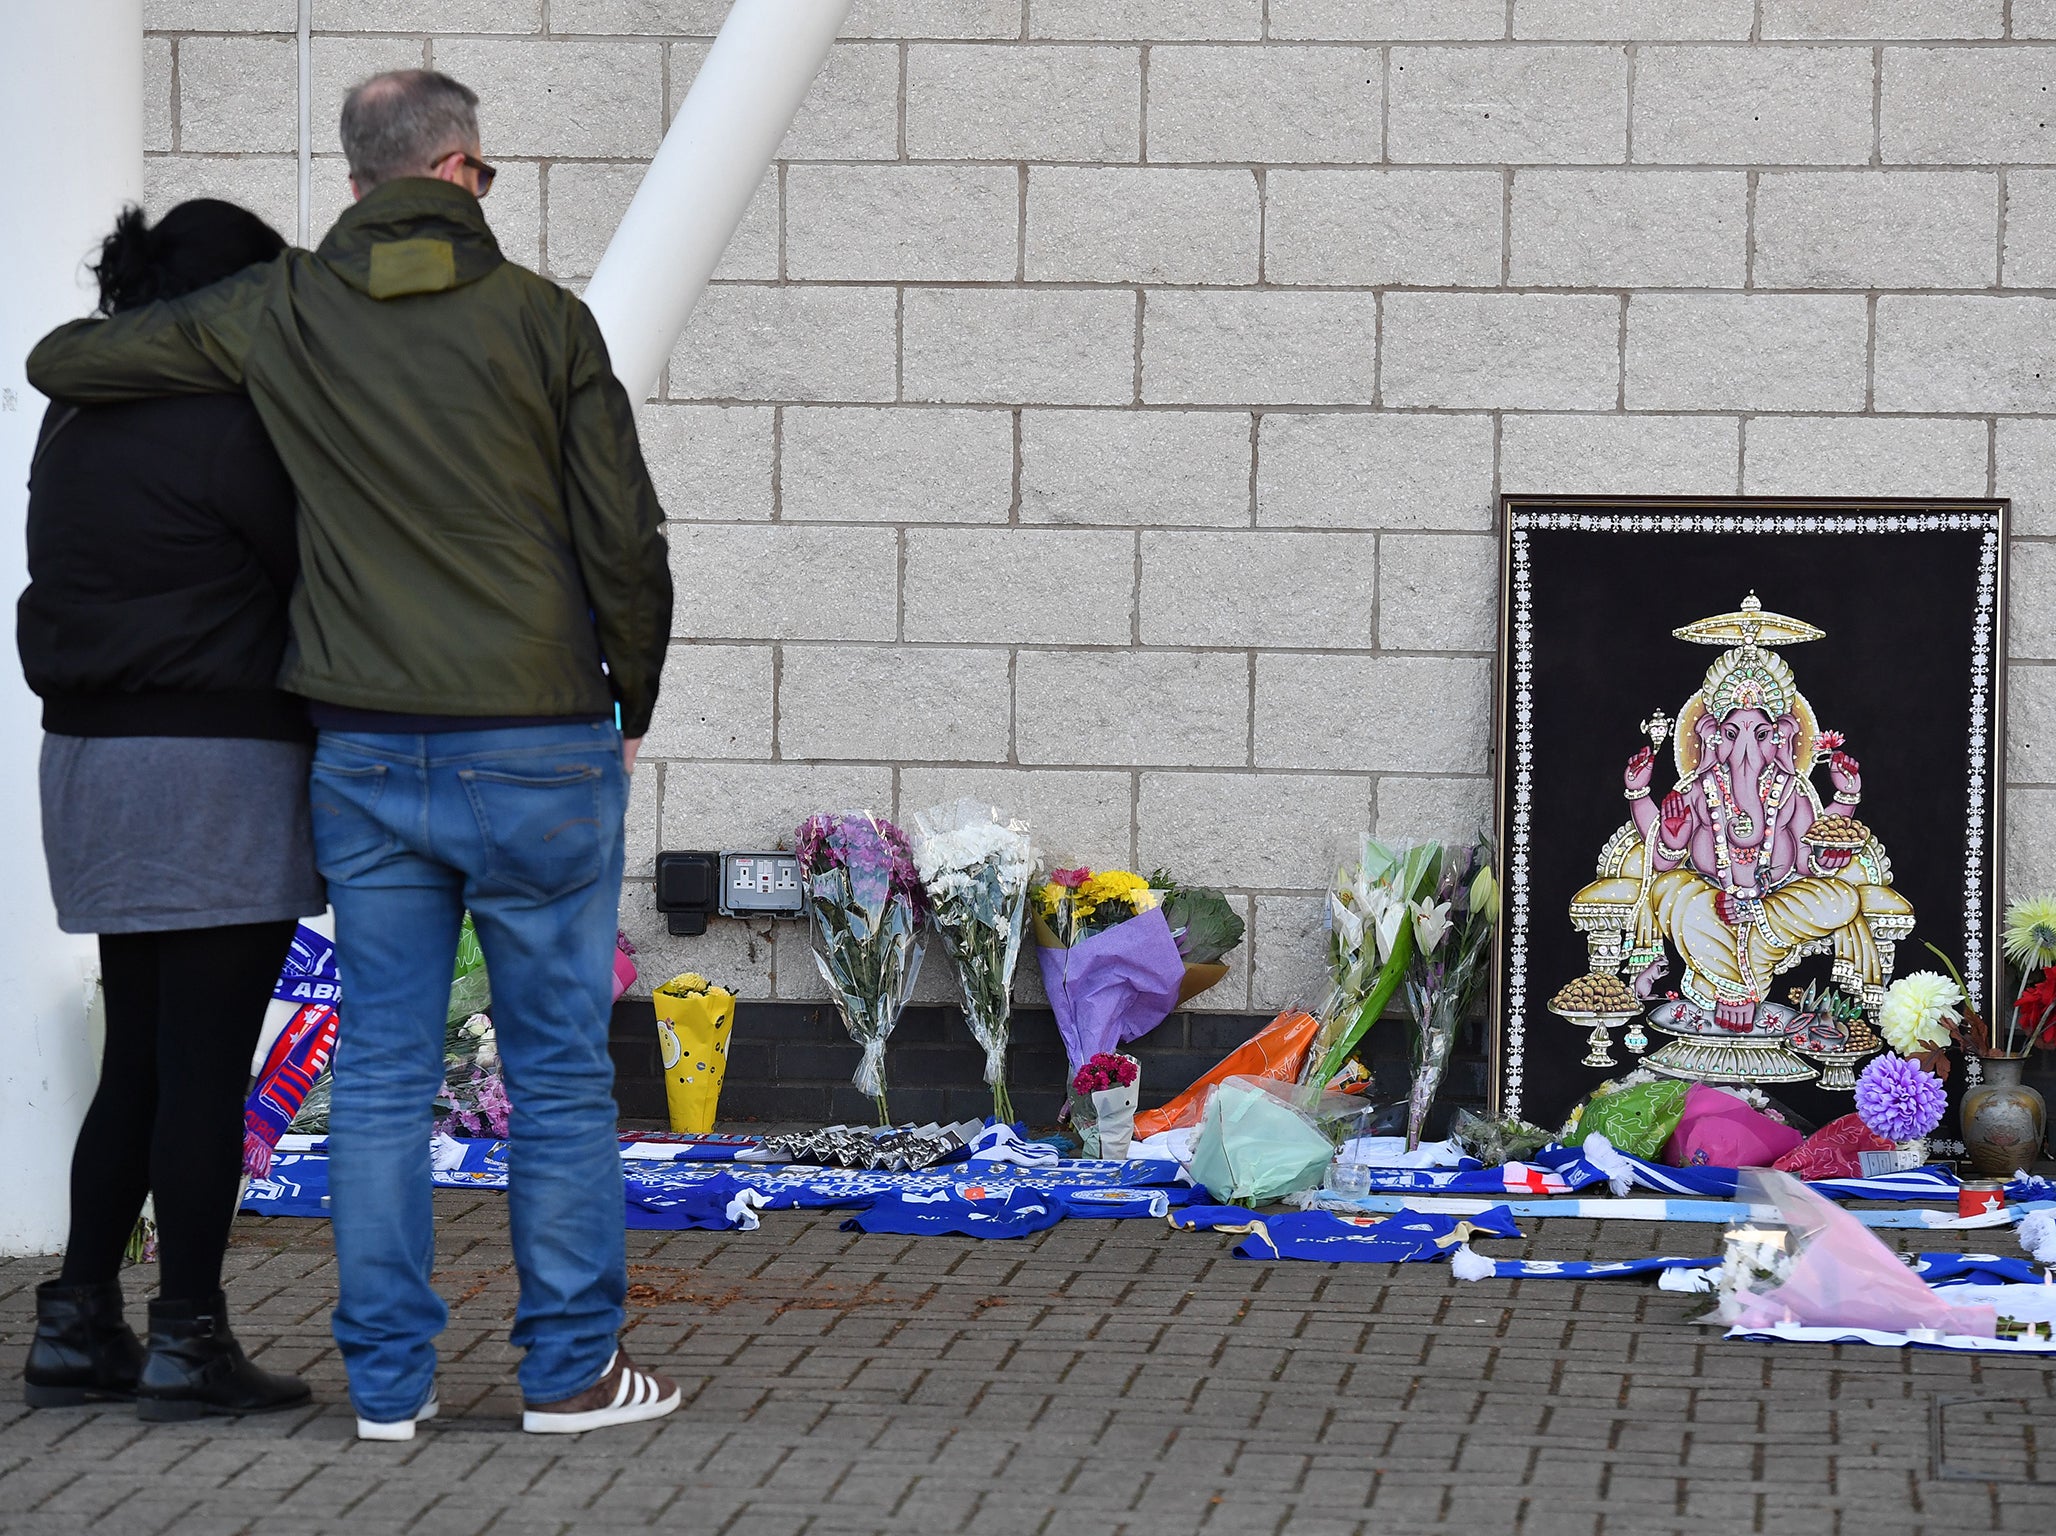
x: 71, y: 108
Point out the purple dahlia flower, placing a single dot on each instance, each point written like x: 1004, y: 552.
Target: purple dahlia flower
x: 1898, y: 1099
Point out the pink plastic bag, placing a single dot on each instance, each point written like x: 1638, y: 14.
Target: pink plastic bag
x: 1842, y: 1276
x: 1718, y: 1130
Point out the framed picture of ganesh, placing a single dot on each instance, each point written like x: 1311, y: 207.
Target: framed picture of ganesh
x: 1749, y: 763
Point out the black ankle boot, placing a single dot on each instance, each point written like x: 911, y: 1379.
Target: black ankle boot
x: 83, y: 1351
x: 195, y: 1367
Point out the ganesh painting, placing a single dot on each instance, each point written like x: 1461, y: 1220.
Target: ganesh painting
x: 1747, y: 773
x: 1742, y: 867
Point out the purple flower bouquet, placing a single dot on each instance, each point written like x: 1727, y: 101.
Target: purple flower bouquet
x: 865, y: 907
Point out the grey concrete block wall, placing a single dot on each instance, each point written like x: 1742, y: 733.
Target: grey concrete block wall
x: 1103, y: 406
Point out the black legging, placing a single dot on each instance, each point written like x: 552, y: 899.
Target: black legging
x: 184, y: 1010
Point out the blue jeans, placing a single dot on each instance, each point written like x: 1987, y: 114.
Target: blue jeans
x: 523, y: 827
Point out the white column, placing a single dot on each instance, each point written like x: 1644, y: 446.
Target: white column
x: 71, y: 116
x: 698, y: 187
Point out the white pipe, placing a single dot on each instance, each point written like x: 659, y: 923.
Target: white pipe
x: 706, y: 171
x: 71, y: 116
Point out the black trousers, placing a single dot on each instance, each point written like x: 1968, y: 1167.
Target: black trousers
x: 184, y: 1010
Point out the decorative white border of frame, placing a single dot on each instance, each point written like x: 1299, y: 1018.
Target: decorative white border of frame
x: 1521, y: 522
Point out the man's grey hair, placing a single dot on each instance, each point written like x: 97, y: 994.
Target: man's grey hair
x: 403, y: 121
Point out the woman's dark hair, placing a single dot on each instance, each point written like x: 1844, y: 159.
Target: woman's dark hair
x: 196, y: 243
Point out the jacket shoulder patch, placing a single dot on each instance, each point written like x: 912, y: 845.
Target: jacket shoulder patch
x: 401, y: 267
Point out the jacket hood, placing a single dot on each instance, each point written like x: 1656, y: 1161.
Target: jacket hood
x: 414, y: 235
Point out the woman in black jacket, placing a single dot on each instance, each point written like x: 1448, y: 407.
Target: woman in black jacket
x: 175, y: 825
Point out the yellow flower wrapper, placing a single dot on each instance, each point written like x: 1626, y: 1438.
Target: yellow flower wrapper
x: 693, y: 1025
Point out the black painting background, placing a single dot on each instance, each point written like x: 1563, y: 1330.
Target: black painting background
x: 1892, y: 674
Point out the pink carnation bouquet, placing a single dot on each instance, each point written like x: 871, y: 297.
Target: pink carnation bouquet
x: 1103, y: 1097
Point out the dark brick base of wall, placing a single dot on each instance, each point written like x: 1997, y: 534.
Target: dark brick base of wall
x: 793, y: 1061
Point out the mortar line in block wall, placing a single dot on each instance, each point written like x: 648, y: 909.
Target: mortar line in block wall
x: 778, y: 463
x: 1870, y: 354
x: 1118, y: 44
x: 1377, y: 349
x: 1249, y: 724
x: 1281, y: 407
x: 1141, y: 306
x: 1021, y: 224
x: 1877, y: 105
x: 1473, y: 167
x: 1142, y: 108
x: 1506, y: 226
x: 1849, y: 168
x: 1750, y: 182
x: 1620, y: 362
x: 1013, y: 709
x: 1385, y: 104
x: 1628, y: 124
x: 1256, y: 419
x: 2005, y: 200
x: 1992, y: 457
x: 1014, y: 486
x: 1273, y: 288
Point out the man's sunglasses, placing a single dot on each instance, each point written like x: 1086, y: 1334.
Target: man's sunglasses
x: 484, y: 172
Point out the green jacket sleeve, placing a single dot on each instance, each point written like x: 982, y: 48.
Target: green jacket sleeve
x: 616, y: 526
x: 187, y: 346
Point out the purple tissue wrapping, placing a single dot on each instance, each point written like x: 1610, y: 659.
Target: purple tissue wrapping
x: 1113, y: 987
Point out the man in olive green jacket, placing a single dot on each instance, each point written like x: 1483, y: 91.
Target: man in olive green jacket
x: 484, y: 585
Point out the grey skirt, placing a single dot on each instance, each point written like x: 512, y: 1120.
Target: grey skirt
x: 148, y: 833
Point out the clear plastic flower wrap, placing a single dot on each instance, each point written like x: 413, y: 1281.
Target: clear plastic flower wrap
x: 865, y: 910
x: 1830, y: 1271
x: 1259, y: 1139
x: 1493, y: 1142
x: 974, y: 863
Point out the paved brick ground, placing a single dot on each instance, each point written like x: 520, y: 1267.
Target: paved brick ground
x: 1102, y: 1377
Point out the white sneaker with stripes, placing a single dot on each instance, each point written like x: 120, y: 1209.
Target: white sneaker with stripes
x: 624, y: 1394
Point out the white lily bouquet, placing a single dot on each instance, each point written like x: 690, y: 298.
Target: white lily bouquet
x: 1371, y: 913
x: 974, y: 864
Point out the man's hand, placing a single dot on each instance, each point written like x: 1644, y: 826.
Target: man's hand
x: 630, y: 745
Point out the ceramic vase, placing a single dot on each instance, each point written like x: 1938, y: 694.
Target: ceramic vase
x: 2003, y: 1119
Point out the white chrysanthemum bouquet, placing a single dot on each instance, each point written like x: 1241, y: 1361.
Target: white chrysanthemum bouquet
x: 974, y: 863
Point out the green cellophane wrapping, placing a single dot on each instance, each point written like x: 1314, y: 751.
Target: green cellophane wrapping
x: 1637, y: 1120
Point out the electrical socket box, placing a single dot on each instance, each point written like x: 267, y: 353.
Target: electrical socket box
x: 688, y: 890
x: 760, y: 884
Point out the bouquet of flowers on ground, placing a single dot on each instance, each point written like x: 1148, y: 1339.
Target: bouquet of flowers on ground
x: 1109, y: 963
x: 1371, y: 939
x: 974, y: 865
x: 474, y: 1096
x: 1103, y: 1094
x: 1452, y: 934
x: 866, y: 909
x: 694, y: 1020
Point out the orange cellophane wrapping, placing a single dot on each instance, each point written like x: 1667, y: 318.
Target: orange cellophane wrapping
x: 1276, y: 1051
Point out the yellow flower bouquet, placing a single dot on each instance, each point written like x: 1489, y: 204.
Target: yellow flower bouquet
x: 694, y: 1020
x: 1074, y: 904
x: 1108, y: 961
